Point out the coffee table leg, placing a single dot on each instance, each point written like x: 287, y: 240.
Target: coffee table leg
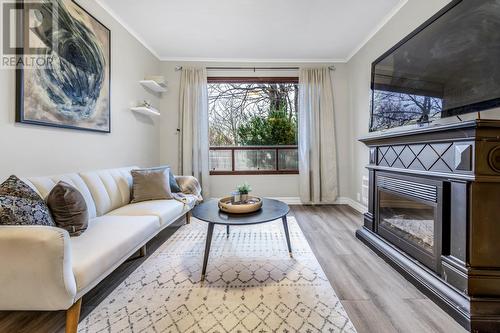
x: 210, y: 232
x: 227, y: 231
x: 287, y: 235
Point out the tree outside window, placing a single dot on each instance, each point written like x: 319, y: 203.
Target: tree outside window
x: 255, y: 120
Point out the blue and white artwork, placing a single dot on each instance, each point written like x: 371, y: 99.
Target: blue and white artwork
x: 72, y: 89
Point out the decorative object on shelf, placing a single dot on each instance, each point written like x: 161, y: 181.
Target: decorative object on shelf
x: 243, y: 190
x: 146, y: 108
x: 72, y: 90
x: 252, y: 204
x: 155, y: 82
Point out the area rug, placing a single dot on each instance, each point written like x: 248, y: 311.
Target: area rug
x: 252, y: 285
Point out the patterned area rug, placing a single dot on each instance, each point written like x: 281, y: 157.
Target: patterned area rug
x: 252, y: 285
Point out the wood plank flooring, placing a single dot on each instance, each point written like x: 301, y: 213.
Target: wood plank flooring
x: 376, y: 297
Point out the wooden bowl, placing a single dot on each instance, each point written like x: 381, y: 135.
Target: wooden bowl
x: 252, y: 204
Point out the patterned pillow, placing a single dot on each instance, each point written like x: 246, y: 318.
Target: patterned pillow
x: 21, y: 205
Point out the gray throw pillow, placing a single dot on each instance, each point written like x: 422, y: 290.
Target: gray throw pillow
x: 151, y: 184
x: 174, y: 186
x: 68, y: 208
x: 21, y: 205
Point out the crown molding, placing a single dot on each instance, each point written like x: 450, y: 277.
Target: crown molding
x: 252, y: 60
x: 379, y: 26
x: 127, y: 27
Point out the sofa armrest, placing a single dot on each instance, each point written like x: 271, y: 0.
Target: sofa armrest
x: 190, y: 185
x: 35, y: 268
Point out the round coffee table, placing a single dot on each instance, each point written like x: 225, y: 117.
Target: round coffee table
x: 209, y: 212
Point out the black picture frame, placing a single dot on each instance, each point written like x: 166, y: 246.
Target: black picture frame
x: 20, y: 93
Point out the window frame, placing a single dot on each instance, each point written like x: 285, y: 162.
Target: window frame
x: 277, y: 171
x: 251, y: 79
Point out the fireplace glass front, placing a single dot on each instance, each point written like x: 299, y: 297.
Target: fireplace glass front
x: 409, y: 219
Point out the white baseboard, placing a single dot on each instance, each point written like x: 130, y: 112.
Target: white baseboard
x: 340, y: 201
x: 289, y: 200
x: 352, y: 203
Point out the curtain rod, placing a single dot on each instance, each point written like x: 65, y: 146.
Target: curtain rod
x: 178, y: 68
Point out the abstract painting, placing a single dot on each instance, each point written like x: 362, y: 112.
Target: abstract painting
x: 73, y: 89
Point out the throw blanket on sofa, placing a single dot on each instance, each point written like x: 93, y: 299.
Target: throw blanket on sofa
x: 191, y: 191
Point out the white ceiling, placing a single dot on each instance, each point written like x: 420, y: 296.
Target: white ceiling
x: 253, y: 30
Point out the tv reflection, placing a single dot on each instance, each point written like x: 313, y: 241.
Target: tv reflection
x: 395, y: 109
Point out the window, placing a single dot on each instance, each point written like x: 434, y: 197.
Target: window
x: 253, y: 125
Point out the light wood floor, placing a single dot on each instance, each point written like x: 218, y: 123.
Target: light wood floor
x: 376, y: 297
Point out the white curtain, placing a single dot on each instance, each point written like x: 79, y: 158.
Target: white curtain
x: 317, y: 146
x: 193, y: 123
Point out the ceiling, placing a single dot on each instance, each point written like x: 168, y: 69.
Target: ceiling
x: 253, y: 30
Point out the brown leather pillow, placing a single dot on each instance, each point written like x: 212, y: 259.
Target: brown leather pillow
x: 68, y: 208
x: 151, y: 184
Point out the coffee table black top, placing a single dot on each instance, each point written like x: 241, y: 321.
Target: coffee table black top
x: 271, y: 210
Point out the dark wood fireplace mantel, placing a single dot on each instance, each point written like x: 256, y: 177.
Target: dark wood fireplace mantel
x: 442, y: 185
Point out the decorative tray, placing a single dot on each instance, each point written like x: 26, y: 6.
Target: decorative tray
x: 252, y: 204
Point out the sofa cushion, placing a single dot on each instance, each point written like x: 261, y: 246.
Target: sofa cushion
x: 107, y: 242
x: 166, y: 210
x: 21, y: 205
x: 110, y: 188
x: 43, y: 186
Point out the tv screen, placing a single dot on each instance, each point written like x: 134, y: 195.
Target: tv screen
x: 447, y: 67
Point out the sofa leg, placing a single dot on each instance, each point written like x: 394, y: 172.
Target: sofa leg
x: 73, y: 316
x: 188, y: 217
x: 142, y: 251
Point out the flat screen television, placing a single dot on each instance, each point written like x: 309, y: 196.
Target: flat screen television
x: 447, y: 67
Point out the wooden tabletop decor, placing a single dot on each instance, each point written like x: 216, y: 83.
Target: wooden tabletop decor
x: 252, y: 204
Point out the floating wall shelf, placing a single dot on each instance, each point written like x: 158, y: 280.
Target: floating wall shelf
x: 146, y: 111
x: 153, y: 85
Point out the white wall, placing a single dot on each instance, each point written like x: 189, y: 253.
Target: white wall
x: 269, y: 185
x: 411, y: 15
x: 34, y: 150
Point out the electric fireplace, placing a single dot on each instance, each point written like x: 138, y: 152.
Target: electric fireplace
x: 434, y: 214
x: 409, y: 215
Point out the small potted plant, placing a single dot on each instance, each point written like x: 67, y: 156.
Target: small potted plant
x: 243, y: 190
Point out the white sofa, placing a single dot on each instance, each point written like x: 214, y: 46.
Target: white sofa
x: 43, y: 268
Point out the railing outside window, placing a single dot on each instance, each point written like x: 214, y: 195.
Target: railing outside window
x: 250, y: 160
